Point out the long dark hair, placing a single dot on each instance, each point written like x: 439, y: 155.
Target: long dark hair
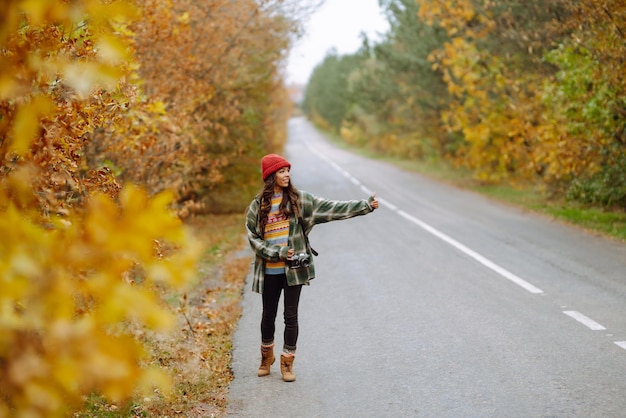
x: 287, y: 206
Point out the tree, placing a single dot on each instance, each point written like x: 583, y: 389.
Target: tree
x: 326, y: 94
x: 211, y: 70
x: 74, y: 246
x: 493, y: 71
x: 397, y: 88
x: 586, y: 100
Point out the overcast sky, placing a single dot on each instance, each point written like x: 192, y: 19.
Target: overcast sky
x: 338, y: 23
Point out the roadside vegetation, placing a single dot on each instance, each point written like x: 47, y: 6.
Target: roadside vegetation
x: 197, y: 352
x: 609, y: 222
x: 499, y: 92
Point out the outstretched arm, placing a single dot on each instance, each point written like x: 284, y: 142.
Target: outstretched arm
x: 322, y: 210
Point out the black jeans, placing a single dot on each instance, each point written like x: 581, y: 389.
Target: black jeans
x: 273, y: 286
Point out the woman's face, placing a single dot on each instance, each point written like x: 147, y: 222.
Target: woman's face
x: 282, y: 178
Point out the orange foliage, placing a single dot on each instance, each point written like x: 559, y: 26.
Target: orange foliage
x: 212, y: 96
x: 460, y: 18
x: 48, y: 105
x: 65, y: 269
x: 519, y: 122
x: 489, y: 106
x: 64, y: 300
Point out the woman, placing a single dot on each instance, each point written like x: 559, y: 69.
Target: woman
x: 278, y: 222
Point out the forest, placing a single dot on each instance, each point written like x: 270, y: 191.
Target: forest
x: 530, y: 93
x: 120, y: 120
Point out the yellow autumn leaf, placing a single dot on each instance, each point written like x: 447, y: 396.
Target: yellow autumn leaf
x: 157, y: 107
x: 155, y: 379
x: 8, y: 87
x: 66, y: 372
x: 113, y: 366
x: 99, y: 11
x: 36, y: 10
x: 27, y: 123
x: 152, y: 217
x: 177, y: 269
x: 183, y: 18
x: 45, y: 11
x: 84, y: 77
x: 111, y: 50
x: 102, y: 213
x: 42, y: 396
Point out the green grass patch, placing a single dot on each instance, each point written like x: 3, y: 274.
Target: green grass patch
x: 98, y: 406
x: 527, y: 197
x: 601, y: 220
x: 611, y: 223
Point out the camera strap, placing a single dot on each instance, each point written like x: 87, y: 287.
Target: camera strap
x: 301, y: 223
x: 306, y: 237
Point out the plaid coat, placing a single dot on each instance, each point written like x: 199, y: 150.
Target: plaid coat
x: 314, y: 210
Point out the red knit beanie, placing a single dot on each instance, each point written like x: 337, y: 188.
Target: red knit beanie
x: 271, y: 163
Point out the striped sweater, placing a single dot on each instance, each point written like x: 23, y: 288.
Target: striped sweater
x: 276, y: 233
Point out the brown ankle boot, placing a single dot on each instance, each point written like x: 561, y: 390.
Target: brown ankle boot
x: 286, y: 368
x: 267, y: 359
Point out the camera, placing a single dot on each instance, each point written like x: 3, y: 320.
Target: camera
x: 299, y: 261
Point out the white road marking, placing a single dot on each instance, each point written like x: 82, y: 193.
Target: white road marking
x: 366, y: 190
x: 586, y: 321
x: 481, y: 259
x: 621, y: 344
x: 384, y: 202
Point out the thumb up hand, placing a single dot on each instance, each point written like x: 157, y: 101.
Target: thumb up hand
x: 374, y: 201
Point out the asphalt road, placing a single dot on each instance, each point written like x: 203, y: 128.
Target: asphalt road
x: 442, y: 303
